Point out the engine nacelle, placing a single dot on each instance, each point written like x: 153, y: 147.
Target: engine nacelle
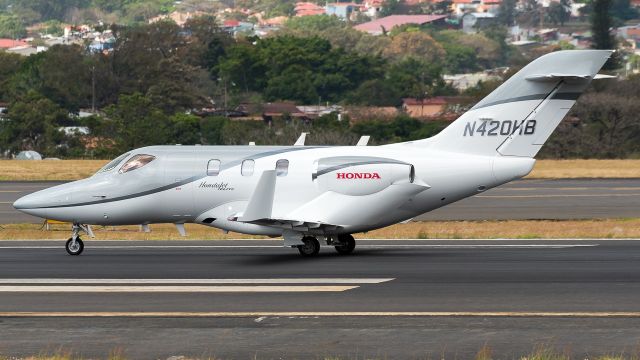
x: 360, y: 175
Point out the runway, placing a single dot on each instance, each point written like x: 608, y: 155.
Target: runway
x: 392, y: 299
x: 524, y: 199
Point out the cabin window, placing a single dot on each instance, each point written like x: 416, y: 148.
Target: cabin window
x: 247, y: 167
x: 282, y: 167
x: 136, y: 162
x: 213, y: 167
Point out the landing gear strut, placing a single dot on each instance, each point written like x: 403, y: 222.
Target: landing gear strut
x: 74, y: 245
x: 311, y: 246
x: 346, y: 244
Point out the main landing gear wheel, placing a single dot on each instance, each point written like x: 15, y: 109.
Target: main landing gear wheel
x: 347, y: 244
x: 74, y: 247
x: 311, y: 246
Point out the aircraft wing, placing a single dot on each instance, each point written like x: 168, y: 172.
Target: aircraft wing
x: 327, y: 211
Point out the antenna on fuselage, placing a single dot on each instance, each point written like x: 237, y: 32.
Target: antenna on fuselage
x: 301, y: 139
x: 364, y: 140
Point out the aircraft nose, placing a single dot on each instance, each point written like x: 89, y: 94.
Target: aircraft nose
x: 32, y: 204
x: 24, y: 202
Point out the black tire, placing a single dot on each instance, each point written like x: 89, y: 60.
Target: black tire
x: 76, y: 250
x: 348, y: 244
x: 311, y: 246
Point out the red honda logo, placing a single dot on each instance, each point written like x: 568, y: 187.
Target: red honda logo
x: 364, y: 175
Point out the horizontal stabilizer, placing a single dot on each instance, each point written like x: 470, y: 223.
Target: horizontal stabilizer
x: 557, y: 77
x: 604, y: 76
x: 261, y: 202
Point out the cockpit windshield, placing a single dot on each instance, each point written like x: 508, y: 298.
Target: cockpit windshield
x: 136, y: 162
x: 113, y: 163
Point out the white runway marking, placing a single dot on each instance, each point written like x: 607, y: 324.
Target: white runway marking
x: 554, y: 196
x: 266, y: 314
x: 197, y: 281
x: 380, y: 246
x: 171, y: 289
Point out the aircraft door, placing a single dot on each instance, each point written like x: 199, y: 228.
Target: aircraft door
x: 178, y: 201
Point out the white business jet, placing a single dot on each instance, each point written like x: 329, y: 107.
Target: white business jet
x: 307, y: 193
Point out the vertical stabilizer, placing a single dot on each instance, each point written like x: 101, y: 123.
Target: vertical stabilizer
x: 519, y: 116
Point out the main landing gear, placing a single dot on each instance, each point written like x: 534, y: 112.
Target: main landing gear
x: 344, y: 244
x: 74, y: 245
x: 311, y: 246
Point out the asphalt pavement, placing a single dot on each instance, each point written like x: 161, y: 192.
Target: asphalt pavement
x: 391, y: 299
x: 524, y: 199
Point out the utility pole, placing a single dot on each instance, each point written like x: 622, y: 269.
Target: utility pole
x: 225, y: 96
x: 93, y: 89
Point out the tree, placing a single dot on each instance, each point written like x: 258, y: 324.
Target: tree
x: 601, y: 25
x: 558, y: 12
x: 242, y: 66
x: 414, y: 44
x: 149, y: 60
x: 11, y: 27
x: 207, y: 42
x: 415, y: 78
x: 375, y: 92
x: 32, y: 124
x: 292, y: 83
x: 64, y: 76
x: 622, y: 9
x: 211, y: 130
x: 390, y: 7
x: 137, y: 123
x: 315, y: 23
x: 138, y: 51
x: 185, y: 129
x: 507, y: 12
x: 10, y: 64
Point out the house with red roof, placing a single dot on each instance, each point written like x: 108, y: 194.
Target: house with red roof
x: 435, y: 107
x: 11, y: 43
x: 308, y: 9
x: 379, y: 26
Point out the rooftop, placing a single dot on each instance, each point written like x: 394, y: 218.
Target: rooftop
x: 389, y: 22
x: 10, y: 43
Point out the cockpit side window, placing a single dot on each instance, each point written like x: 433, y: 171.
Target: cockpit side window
x: 136, y: 162
x: 113, y: 163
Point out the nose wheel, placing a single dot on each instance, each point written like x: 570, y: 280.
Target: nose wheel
x: 74, y: 247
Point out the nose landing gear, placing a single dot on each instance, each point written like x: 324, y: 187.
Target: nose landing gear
x: 74, y: 245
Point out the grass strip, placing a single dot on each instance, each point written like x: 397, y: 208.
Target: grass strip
x: 494, y: 229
